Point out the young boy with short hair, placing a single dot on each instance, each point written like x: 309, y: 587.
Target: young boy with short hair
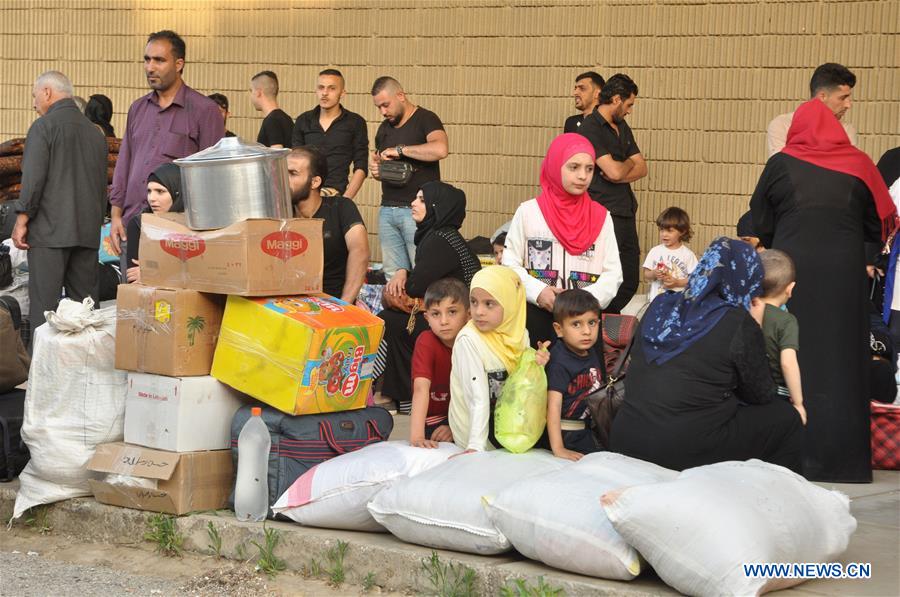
x: 668, y: 264
x: 780, y: 328
x: 575, y: 370
x: 447, y: 311
x: 498, y: 244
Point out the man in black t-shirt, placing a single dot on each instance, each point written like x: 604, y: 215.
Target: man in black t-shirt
x: 619, y: 163
x: 277, y: 126
x: 345, y: 240
x: 339, y: 133
x: 414, y: 135
x: 587, y: 97
x: 222, y: 101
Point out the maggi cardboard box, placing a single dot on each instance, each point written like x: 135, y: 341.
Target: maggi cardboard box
x: 261, y: 257
x: 300, y: 354
x: 168, y: 332
x: 175, y: 483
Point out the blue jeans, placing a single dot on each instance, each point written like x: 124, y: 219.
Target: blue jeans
x: 396, y: 230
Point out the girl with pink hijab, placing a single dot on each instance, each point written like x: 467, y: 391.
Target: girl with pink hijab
x: 562, y: 239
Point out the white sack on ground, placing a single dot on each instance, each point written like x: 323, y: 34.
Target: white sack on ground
x: 443, y: 507
x: 556, y: 518
x: 75, y: 401
x: 698, y: 530
x: 335, y: 493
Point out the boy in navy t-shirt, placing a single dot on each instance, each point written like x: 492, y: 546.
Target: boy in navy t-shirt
x: 574, y: 371
x: 447, y: 311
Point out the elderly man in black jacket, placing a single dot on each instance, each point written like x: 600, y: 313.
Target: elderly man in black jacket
x: 63, y: 198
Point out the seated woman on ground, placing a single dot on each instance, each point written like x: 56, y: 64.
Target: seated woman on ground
x: 163, y: 195
x: 563, y: 239
x: 699, y: 389
x: 441, y: 252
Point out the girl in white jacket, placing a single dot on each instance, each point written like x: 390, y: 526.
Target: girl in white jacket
x: 563, y: 239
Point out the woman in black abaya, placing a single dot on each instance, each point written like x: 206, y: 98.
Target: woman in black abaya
x: 820, y: 200
x: 441, y: 252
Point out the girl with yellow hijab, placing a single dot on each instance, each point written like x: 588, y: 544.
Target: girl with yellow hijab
x: 486, y: 351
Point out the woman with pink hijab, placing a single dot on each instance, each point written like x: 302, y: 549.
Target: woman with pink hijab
x: 562, y: 239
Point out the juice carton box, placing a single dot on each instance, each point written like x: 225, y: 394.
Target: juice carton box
x: 301, y: 354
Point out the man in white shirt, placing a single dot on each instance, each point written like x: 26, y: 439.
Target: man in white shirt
x: 833, y: 84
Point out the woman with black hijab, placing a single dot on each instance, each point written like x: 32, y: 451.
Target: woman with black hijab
x: 99, y: 110
x: 441, y: 252
x: 163, y: 195
x: 819, y: 201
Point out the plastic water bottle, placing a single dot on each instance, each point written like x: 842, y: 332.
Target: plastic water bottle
x: 251, y: 493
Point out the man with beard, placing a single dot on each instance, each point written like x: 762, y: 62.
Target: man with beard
x: 170, y: 122
x: 339, y: 133
x: 619, y: 163
x: 587, y: 97
x: 410, y: 134
x: 346, y: 242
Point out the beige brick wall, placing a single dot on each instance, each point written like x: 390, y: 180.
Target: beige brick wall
x: 499, y: 74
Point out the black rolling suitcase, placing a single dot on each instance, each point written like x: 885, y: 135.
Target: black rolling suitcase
x: 13, y: 452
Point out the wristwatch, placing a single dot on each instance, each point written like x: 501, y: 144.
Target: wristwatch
x: 399, y: 149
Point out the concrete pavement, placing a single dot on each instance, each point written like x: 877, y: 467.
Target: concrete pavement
x: 398, y: 565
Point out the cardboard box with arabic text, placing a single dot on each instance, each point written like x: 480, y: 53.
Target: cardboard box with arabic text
x: 158, y: 481
x: 168, y: 332
x: 259, y: 257
x: 300, y: 354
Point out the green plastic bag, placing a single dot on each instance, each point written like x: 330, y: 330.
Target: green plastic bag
x: 520, y: 414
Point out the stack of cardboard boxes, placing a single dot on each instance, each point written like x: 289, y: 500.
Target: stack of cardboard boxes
x: 222, y: 316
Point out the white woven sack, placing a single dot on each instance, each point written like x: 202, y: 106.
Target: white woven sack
x: 335, y: 493
x: 698, y: 530
x: 556, y: 518
x: 75, y: 401
x: 443, y: 508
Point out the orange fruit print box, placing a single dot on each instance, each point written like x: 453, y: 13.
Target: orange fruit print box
x: 301, y: 354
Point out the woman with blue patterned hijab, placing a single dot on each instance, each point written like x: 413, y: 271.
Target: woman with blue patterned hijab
x: 699, y: 389
x: 729, y: 275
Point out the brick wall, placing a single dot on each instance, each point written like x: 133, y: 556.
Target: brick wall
x: 499, y: 73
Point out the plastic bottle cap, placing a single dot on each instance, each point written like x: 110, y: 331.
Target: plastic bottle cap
x: 256, y: 411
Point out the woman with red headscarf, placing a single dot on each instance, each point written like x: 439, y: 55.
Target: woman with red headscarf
x: 563, y: 240
x: 820, y: 200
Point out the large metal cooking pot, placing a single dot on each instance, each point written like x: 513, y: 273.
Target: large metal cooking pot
x: 233, y: 181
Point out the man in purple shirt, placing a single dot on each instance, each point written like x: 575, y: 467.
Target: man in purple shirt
x: 170, y: 122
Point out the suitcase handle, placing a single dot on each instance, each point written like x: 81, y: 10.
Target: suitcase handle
x: 374, y: 436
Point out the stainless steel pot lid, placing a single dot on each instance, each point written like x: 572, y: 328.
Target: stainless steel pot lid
x: 232, y: 149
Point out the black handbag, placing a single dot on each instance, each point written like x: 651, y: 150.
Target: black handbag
x: 605, y: 402
x: 6, y: 275
x: 301, y: 442
x: 395, y: 172
x: 8, y: 217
